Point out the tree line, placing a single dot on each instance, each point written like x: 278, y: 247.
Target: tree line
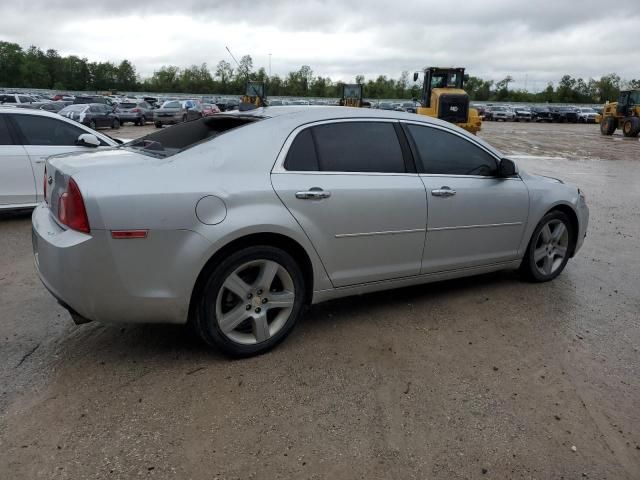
x: 35, y: 68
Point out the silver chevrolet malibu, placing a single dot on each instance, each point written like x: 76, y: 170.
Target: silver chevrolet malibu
x: 234, y: 223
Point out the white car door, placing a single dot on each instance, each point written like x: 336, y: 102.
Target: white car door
x: 350, y: 189
x: 17, y: 184
x: 474, y: 217
x: 44, y: 136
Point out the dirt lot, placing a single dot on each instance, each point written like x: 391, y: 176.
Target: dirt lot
x: 487, y: 377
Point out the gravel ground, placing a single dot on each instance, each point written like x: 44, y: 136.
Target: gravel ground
x: 486, y: 377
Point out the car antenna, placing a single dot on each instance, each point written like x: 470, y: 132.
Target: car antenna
x: 253, y: 87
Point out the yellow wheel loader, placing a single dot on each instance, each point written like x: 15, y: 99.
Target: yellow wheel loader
x: 623, y: 114
x: 443, y: 97
x: 254, y: 97
x: 351, y: 95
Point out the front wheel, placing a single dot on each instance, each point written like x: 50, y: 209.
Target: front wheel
x: 143, y: 121
x: 251, y: 301
x: 549, y: 248
x: 115, y: 124
x: 92, y: 125
x: 631, y: 127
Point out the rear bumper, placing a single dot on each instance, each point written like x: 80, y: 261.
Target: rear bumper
x: 129, y: 117
x: 117, y: 281
x: 168, y: 120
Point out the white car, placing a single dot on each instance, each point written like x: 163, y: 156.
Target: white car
x: 27, y: 138
x: 15, y: 98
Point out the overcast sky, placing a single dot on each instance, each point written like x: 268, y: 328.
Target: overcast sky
x: 532, y: 40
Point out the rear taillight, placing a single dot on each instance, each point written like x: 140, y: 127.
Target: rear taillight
x: 135, y: 110
x: 71, y: 211
x: 44, y: 184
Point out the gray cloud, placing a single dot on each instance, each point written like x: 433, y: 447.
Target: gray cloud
x: 534, y: 42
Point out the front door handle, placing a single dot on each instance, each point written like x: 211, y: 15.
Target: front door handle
x: 443, y: 191
x: 314, y: 193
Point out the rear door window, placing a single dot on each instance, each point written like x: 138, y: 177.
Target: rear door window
x: 358, y: 147
x: 444, y: 153
x: 302, y: 154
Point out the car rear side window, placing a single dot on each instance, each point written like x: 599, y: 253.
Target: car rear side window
x: 358, y: 147
x: 446, y: 153
x: 302, y: 154
x: 38, y: 130
x: 5, y: 135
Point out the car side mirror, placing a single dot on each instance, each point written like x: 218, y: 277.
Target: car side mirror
x: 88, y: 140
x: 507, y: 168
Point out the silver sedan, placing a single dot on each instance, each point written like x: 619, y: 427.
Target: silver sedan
x: 234, y: 223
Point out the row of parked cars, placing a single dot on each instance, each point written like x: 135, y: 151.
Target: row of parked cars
x: 560, y: 114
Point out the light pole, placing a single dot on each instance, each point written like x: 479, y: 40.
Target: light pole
x: 269, y: 65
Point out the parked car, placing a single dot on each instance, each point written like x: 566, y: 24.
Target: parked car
x: 409, y: 107
x: 586, y: 115
x: 541, y: 114
x: 386, y: 106
x: 176, y: 111
x: 498, y: 112
x: 93, y: 99
x: 209, y: 109
x: 522, y: 114
x: 27, y: 137
x: 137, y: 112
x: 16, y: 98
x: 93, y: 115
x: 235, y: 222
x: 228, y: 104
x: 53, y: 106
x: 564, y: 114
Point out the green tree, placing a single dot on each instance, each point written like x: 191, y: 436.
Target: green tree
x: 11, y: 58
x: 126, y: 78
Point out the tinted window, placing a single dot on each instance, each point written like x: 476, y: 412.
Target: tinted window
x: 127, y: 105
x: 8, y: 99
x: 25, y: 99
x: 445, y: 153
x: 46, y: 131
x: 302, y: 154
x: 358, y: 147
x: 5, y: 137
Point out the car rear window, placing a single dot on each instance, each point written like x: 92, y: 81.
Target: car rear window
x: 127, y: 105
x: 171, y: 105
x: 169, y: 141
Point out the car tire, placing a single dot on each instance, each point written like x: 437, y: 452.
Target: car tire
x: 233, y: 293
x: 549, y: 248
x: 184, y: 118
x: 608, y: 126
x: 143, y: 121
x: 631, y: 127
x: 92, y: 125
x: 115, y: 124
x: 158, y: 124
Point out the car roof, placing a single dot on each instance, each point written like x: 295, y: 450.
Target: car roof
x: 30, y: 111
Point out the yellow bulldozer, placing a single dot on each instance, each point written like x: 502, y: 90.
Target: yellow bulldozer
x: 443, y: 97
x: 351, y: 95
x: 254, y: 96
x: 623, y: 114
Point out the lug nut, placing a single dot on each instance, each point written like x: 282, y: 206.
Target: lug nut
x: 258, y: 310
x: 248, y: 307
x: 259, y: 292
x: 250, y: 296
x: 265, y: 300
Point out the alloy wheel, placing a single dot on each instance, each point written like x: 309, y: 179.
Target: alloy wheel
x: 551, y: 247
x: 255, y: 302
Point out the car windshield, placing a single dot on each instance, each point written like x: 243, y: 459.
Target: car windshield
x: 498, y: 109
x: 171, y: 105
x: 168, y: 142
x: 127, y: 105
x: 588, y: 110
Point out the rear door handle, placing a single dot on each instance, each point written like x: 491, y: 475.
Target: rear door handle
x: 314, y: 193
x: 443, y: 191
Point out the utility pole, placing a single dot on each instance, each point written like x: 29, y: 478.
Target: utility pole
x: 269, y: 65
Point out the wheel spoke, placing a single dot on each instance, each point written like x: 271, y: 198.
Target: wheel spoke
x: 236, y: 285
x: 232, y: 319
x: 281, y: 299
x: 261, y: 328
x: 539, y: 254
x: 546, y: 233
x: 268, y: 271
x: 558, y: 232
x: 547, y: 265
x: 560, y: 251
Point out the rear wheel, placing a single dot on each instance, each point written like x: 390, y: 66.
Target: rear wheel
x: 158, y: 124
x: 115, y: 124
x: 608, y: 126
x: 251, y: 301
x: 92, y: 124
x: 143, y: 121
x: 184, y: 118
x: 631, y: 127
x: 549, y: 248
